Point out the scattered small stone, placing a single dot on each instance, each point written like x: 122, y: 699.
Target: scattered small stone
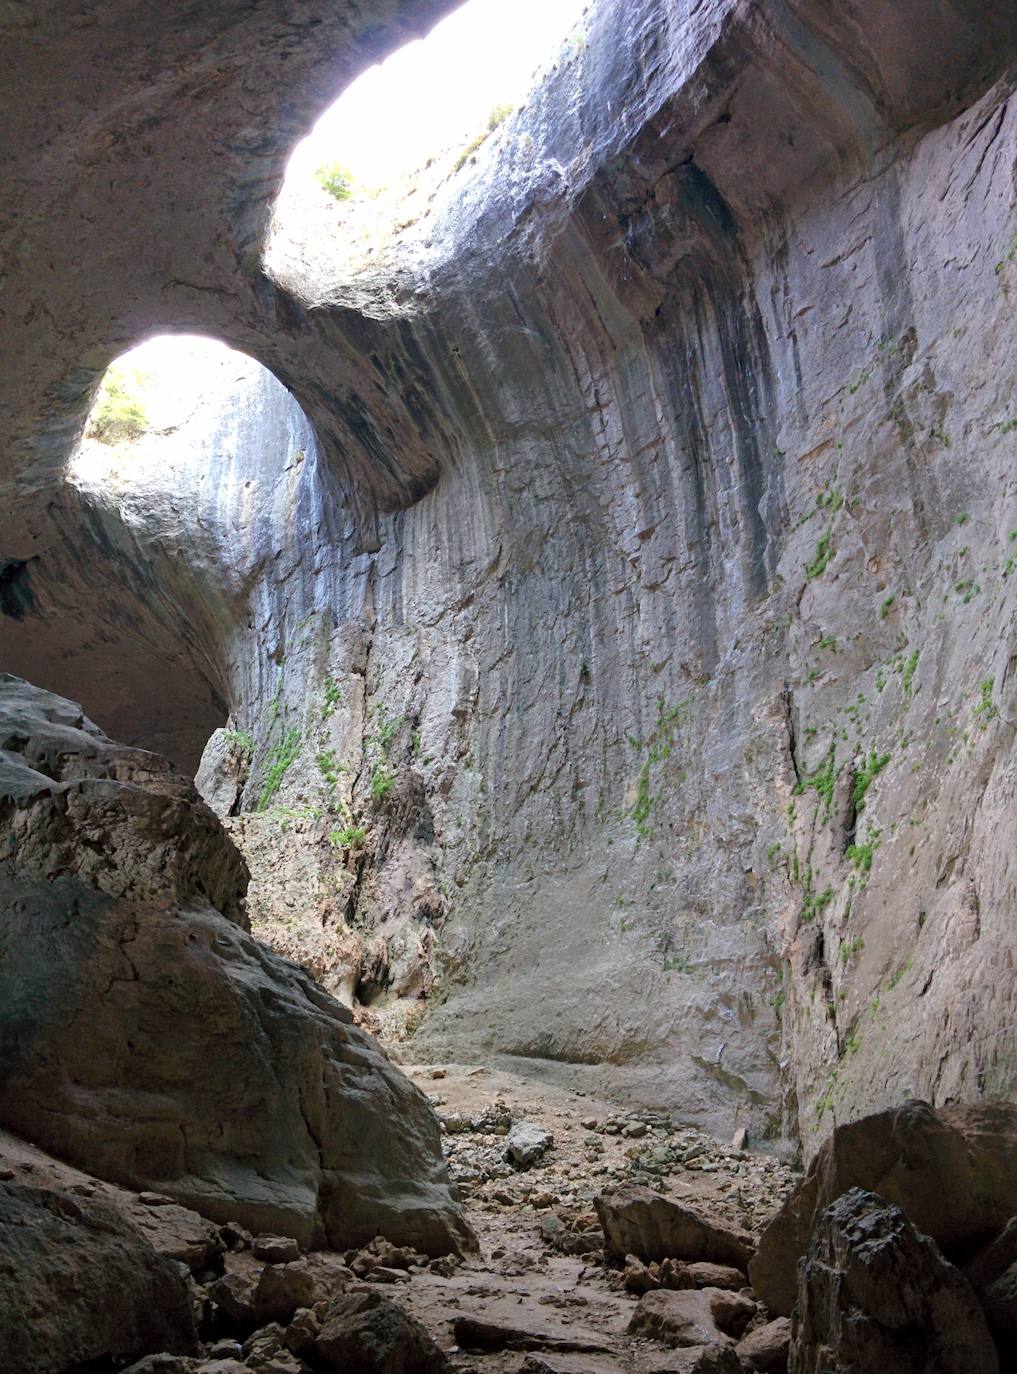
x: 456, y: 1123
x: 382, y: 1254
x: 527, y: 1143
x: 551, y: 1227
x: 382, y: 1274
x: 236, y: 1237
x: 225, y: 1350
x: 275, y: 1249
x: 639, y: 1277
x: 299, y: 1336
x: 233, y: 1294
x: 267, y: 1340
x: 542, y: 1199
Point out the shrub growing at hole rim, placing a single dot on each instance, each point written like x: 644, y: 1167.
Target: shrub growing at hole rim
x: 119, y: 410
x: 336, y: 179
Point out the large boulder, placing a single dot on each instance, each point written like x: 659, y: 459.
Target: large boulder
x: 637, y: 1221
x: 692, y: 1317
x: 765, y: 1350
x: 147, y: 1037
x: 875, y: 1294
x: 952, y: 1170
x: 993, y: 1274
x: 80, y: 1284
x: 173, y: 1231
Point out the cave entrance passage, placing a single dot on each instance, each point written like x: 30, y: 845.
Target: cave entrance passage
x: 152, y: 391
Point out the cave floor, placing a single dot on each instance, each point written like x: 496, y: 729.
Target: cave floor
x: 539, y: 1283
x: 527, y: 1220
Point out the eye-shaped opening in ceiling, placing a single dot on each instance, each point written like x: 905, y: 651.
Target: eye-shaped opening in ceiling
x: 160, y: 408
x: 378, y: 155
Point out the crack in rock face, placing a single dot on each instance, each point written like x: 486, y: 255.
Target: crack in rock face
x: 588, y: 617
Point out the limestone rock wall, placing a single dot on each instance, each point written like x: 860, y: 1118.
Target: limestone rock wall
x: 645, y: 592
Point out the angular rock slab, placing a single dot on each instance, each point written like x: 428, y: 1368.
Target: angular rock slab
x: 175, y: 1232
x: 474, y: 1331
x: 875, y: 1294
x: 78, y: 1283
x: 638, y: 1221
x: 118, y: 818
x: 692, y: 1317
x: 952, y: 1170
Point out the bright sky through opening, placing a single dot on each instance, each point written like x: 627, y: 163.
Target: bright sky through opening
x: 438, y: 92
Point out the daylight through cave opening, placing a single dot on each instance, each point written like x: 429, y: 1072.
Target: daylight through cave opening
x: 189, y: 451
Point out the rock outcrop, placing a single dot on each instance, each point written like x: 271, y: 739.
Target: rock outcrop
x: 80, y: 1287
x: 149, y: 1039
x: 119, y: 821
x: 953, y: 1172
x: 873, y: 1293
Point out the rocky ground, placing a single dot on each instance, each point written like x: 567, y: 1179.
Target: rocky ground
x: 608, y: 1243
x: 541, y: 1293
x: 542, y: 1272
